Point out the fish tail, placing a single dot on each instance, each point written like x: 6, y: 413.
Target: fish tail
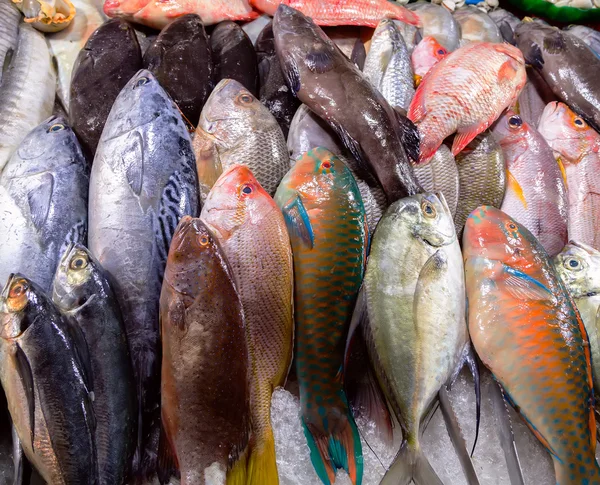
x: 262, y: 465
x: 338, y: 446
x: 410, y: 465
x: 237, y: 473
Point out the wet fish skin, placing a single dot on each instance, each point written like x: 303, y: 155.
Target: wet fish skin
x: 43, y: 194
x: 180, y: 58
x: 82, y: 292
x: 28, y: 89
x: 438, y: 23
x: 536, y: 193
x: 9, y: 31
x: 588, y: 35
x: 234, y: 56
x: 274, y: 93
x: 499, y: 15
x: 333, y: 88
x: 476, y: 26
x: 255, y: 27
x: 204, y: 347
x: 139, y: 190
x: 426, y: 54
x: 519, y: 311
x: 410, y: 34
x: 46, y: 384
x: 567, y: 65
x: 110, y: 58
x: 533, y: 99
x: 577, y: 147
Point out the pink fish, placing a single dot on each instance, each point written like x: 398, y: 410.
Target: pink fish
x: 465, y: 93
x: 343, y: 12
x: 158, y: 13
x: 427, y: 54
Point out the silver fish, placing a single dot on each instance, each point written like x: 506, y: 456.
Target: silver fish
x: 143, y: 182
x: 43, y: 195
x: 439, y: 23
x: 9, y: 30
x: 590, y: 36
x: 410, y: 34
x: 476, y: 26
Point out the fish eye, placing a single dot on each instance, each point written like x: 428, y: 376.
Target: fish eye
x: 515, y: 121
x: 56, y: 127
x: 572, y: 264
x: 203, y: 240
x: 326, y: 165
x: 245, y: 98
x: 579, y: 122
x: 18, y: 289
x: 441, y: 52
x: 78, y: 262
x: 141, y: 81
x: 428, y: 209
x: 247, y: 189
x: 511, y: 226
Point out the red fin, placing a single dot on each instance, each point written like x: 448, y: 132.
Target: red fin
x: 463, y: 138
x: 416, y: 111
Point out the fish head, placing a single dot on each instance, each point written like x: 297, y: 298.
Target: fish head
x: 579, y: 267
x: 567, y: 133
x: 513, y: 134
x: 386, y: 38
x: 236, y: 199
x: 427, y: 54
x: 21, y: 301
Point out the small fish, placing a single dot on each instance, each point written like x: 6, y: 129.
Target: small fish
x: 204, y: 386
x: 180, y: 58
x: 427, y: 54
x: 43, y: 371
x: 495, y: 74
x: 588, y: 35
x: 536, y: 194
x: 326, y: 221
x: 367, y: 13
x: 234, y: 128
x: 438, y: 23
x: 9, y: 32
x: 82, y: 292
x: 577, y: 148
x: 476, y: 26
x: 525, y: 329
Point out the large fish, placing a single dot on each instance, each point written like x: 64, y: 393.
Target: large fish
x: 139, y: 190
x: 205, y: 361
x: 536, y: 193
x: 525, y: 328
x: 251, y: 230
x: 476, y: 26
x: 438, y: 23
x: 426, y: 54
x: 43, y: 195
x: 180, y: 58
x: 335, y: 90
x: 110, y: 58
x: 82, y: 292
x: 494, y: 74
x: 567, y: 65
x: 234, y: 128
x: 44, y: 375
x: 9, y: 31
x: 326, y: 220
x: 27, y: 91
x: 577, y: 147
x: 412, y: 313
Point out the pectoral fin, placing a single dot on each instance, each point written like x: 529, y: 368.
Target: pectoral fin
x: 523, y: 286
x: 26, y: 375
x: 298, y: 222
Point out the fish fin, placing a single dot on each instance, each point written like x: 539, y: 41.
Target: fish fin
x: 7, y: 60
x: 563, y: 172
x: 359, y: 316
x: 39, y: 199
x: 554, y: 43
x: 416, y: 110
x: 463, y: 138
x: 507, y: 33
x: 81, y: 351
x: 26, y: 376
x: 410, y: 465
x: 456, y: 437
x: 535, y: 57
x: 298, y: 222
x: 319, y: 61
x: 167, y: 465
x: 409, y: 135
x: 134, y: 161
x: 515, y: 186
x: 18, y: 461
x: 291, y: 73
x: 522, y: 286
x: 351, y: 144
x: 471, y: 361
x: 237, y: 472
x: 359, y: 54
x: 262, y: 463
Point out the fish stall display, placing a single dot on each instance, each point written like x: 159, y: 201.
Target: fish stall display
x: 299, y: 242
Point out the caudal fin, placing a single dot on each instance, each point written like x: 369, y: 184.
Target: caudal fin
x: 410, y: 465
x: 238, y: 473
x: 262, y: 465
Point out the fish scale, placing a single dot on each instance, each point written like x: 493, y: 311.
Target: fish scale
x: 9, y: 28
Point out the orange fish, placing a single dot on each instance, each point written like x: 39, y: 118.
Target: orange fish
x: 427, y: 54
x: 526, y: 330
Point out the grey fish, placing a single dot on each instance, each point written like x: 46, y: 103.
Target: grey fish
x: 567, y: 65
x: 440, y: 174
x: 254, y: 28
x: 43, y: 195
x: 27, y: 91
x: 482, y: 177
x: 439, y: 23
x: 501, y: 16
x: 410, y: 34
x: 9, y: 30
x: 82, y: 292
x: 476, y: 26
x: 45, y: 376
x: 588, y: 35
x: 143, y: 182
x: 533, y: 99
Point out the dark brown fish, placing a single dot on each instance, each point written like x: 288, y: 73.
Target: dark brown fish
x: 205, y: 407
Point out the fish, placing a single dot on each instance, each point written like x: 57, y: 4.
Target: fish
x: 410, y: 34
x: 157, y: 14
x: 476, y: 26
x: 139, y: 190
x: 500, y: 16
x: 145, y: 36
x: 366, y: 13
x: 180, y: 59
x: 578, y: 266
x: 274, y: 93
x: 482, y: 177
x: 536, y: 191
x: 28, y: 89
x: 577, y: 148
x: 438, y: 23
x: 413, y: 293
x: 234, y: 56
x: 327, y: 225
x: 520, y: 312
x: 255, y: 27
x: 43, y: 195
x: 9, y: 31
x: 588, y: 35
x: 533, y: 99
x: 387, y: 65
x: 440, y: 174
x: 203, y: 347
x: 426, y: 54
x: 236, y: 128
x: 110, y: 58
x: 252, y: 233
x: 495, y: 74
x: 333, y: 88
x: 567, y: 65
x: 81, y: 291
x: 49, y: 392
